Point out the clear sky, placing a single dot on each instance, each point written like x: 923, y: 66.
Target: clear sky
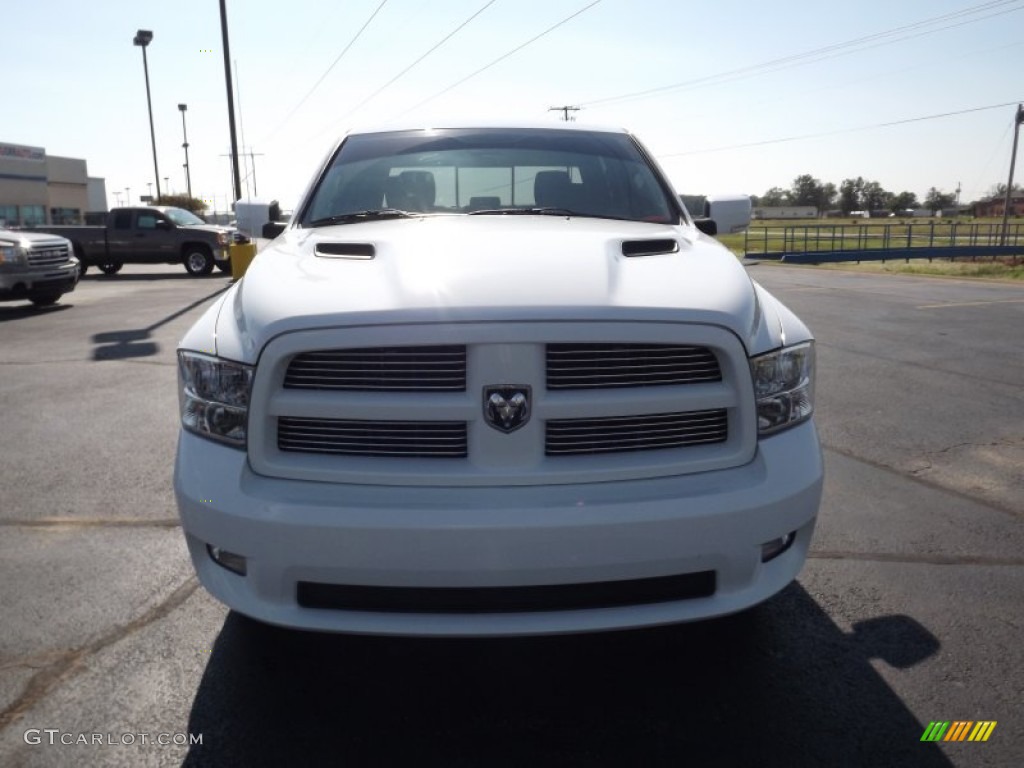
x: 721, y: 75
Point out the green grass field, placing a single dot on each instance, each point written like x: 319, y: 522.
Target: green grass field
x: 850, y: 234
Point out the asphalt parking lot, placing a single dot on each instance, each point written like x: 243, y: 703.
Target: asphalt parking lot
x: 910, y: 608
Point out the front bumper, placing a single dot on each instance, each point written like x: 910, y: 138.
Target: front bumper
x: 24, y: 282
x: 474, y: 538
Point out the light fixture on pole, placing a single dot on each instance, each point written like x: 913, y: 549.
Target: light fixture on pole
x: 184, y: 132
x: 142, y: 39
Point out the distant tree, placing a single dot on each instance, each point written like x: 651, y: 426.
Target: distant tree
x: 936, y: 199
x: 774, y: 198
x: 806, y: 190
x: 904, y: 201
x: 826, y: 196
x: 850, y: 191
x: 874, y: 197
x: 193, y: 204
x: 999, y: 190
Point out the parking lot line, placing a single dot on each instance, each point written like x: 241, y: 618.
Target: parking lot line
x: 944, y: 305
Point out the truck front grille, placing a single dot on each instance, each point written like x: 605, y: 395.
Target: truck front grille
x: 619, y: 434
x: 351, y: 437
x: 603, y: 366
x: 47, y: 255
x: 408, y: 404
x: 404, y: 369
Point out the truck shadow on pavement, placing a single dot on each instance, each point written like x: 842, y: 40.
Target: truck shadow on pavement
x: 135, y: 342
x: 780, y: 685
x: 20, y: 311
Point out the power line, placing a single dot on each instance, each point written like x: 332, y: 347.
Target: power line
x: 437, y: 45
x: 504, y: 56
x: 836, y: 132
x: 829, y: 51
x: 328, y: 70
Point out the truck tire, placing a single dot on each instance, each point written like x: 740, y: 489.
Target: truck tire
x: 45, y: 299
x: 198, y: 260
x: 110, y: 268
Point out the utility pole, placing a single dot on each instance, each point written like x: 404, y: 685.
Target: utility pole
x: 1017, y: 120
x: 252, y: 157
x: 565, y: 110
x: 236, y: 176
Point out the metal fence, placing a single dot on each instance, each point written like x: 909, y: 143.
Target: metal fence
x: 815, y: 244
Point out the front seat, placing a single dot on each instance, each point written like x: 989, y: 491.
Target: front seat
x: 553, y: 189
x: 412, y: 191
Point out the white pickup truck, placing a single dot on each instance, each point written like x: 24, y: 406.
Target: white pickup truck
x: 494, y: 381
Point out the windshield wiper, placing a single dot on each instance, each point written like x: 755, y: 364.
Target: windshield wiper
x: 543, y: 211
x: 539, y: 211
x: 368, y: 215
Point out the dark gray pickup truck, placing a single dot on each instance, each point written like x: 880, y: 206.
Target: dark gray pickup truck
x: 149, y: 235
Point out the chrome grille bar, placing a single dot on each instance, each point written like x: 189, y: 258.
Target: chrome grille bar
x: 47, y: 256
x: 606, y: 366
x: 439, y: 368
x: 617, y: 434
x: 354, y: 437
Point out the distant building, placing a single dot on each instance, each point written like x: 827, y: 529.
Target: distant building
x: 36, y: 188
x: 994, y: 206
x: 785, y: 212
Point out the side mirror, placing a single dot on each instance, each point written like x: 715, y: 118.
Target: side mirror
x: 272, y: 229
x: 707, y: 226
x: 163, y: 224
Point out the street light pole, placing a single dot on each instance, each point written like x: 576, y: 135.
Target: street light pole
x: 142, y: 39
x: 184, y: 133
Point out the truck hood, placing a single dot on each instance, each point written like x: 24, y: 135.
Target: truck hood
x: 28, y: 239
x: 483, y: 268
x: 208, y: 228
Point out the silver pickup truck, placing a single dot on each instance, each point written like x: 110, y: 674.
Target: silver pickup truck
x: 37, y: 267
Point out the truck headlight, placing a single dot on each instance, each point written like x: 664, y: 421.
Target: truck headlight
x: 213, y: 396
x: 13, y: 255
x: 783, y: 387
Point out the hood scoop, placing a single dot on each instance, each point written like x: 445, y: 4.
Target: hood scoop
x: 649, y: 247
x: 358, y: 251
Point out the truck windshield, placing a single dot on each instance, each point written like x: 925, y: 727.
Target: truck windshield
x: 489, y: 172
x: 183, y: 218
